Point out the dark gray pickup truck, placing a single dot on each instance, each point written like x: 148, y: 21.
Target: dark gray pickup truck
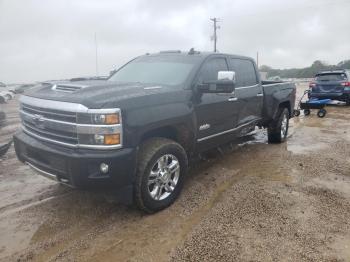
x: 134, y: 132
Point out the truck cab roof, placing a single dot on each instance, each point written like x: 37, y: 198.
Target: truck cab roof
x: 194, y: 53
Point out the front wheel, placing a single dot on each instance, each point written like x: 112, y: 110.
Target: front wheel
x: 278, y: 129
x: 162, y: 166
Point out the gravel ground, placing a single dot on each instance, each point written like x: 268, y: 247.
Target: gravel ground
x: 248, y: 202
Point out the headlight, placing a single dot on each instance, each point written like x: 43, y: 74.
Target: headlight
x: 99, y: 119
x: 106, y: 119
x: 110, y: 139
x: 100, y: 140
x: 100, y: 128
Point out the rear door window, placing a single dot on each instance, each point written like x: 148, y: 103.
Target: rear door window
x: 210, y: 69
x: 331, y: 77
x: 245, y: 72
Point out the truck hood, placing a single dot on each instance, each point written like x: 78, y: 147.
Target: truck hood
x: 102, y: 93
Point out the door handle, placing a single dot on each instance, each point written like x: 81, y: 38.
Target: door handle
x: 260, y: 94
x: 232, y: 99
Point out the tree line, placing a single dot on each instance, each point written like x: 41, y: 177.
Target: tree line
x: 307, y: 72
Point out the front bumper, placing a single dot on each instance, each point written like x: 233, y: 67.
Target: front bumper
x: 80, y: 167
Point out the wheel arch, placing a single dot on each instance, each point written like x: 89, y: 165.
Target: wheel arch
x: 179, y: 133
x: 286, y: 104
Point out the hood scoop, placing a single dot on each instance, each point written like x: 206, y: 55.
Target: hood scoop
x: 68, y: 88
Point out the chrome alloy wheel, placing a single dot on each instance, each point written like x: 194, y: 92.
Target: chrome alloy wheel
x: 284, y: 126
x: 163, y: 177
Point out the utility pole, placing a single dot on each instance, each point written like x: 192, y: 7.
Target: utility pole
x: 257, y: 59
x: 214, y: 37
x: 96, y: 55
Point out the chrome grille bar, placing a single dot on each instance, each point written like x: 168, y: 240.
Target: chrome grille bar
x: 68, y: 117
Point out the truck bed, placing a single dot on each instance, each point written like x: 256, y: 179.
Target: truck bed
x: 276, y: 93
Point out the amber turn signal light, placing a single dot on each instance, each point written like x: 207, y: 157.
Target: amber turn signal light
x: 112, y: 119
x: 112, y: 139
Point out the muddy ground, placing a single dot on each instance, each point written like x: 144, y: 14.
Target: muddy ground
x: 248, y: 202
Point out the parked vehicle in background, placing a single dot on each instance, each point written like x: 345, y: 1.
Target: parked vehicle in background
x: 4, y: 88
x: 5, y: 96
x: 334, y: 85
x: 2, y: 117
x: 135, y: 132
x: 3, y: 146
x: 20, y: 89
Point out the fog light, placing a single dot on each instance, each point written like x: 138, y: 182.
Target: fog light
x: 104, y: 168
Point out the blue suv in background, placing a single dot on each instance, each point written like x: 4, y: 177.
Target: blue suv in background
x: 331, y: 84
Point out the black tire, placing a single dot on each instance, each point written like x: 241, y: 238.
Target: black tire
x: 274, y: 131
x: 322, y: 113
x: 297, y: 112
x: 307, y: 112
x: 150, y: 152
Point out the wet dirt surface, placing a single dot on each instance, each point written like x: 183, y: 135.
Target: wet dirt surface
x: 248, y: 202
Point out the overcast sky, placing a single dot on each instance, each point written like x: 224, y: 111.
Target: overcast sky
x: 54, y: 39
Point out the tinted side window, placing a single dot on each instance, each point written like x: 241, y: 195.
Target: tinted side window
x: 210, y: 69
x: 245, y: 72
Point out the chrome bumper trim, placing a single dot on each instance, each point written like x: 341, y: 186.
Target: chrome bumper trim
x: 42, y: 172
x: 48, y: 175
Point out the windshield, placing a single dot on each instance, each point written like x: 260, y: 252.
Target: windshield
x: 163, y: 70
x: 331, y: 77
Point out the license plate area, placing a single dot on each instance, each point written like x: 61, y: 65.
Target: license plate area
x: 56, y: 163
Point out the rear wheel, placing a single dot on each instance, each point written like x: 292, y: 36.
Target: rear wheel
x: 278, y: 129
x: 322, y: 113
x: 307, y: 112
x: 160, y: 174
x: 297, y: 112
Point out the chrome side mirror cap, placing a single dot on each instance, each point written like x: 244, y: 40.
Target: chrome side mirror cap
x: 227, y: 75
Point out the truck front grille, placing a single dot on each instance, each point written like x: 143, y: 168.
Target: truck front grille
x: 46, y: 122
x: 66, y: 123
x: 49, y: 133
x: 50, y: 114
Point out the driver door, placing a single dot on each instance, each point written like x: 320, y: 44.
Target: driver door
x: 216, y: 113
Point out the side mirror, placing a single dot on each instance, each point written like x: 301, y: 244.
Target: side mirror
x: 227, y: 75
